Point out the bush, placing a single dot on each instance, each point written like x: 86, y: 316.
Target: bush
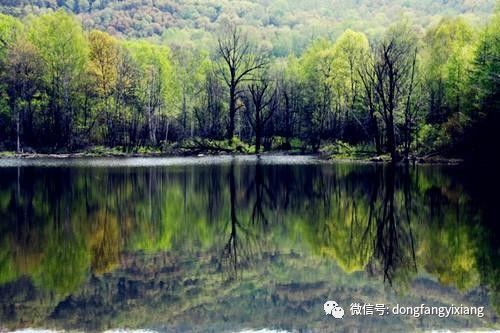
x: 429, y: 139
x: 236, y: 146
x: 340, y: 149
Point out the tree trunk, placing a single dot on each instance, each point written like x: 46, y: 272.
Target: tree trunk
x: 258, y: 140
x: 391, y: 139
x: 184, y: 114
x: 18, y: 134
x: 166, y: 132
x: 288, y: 132
x: 232, y: 113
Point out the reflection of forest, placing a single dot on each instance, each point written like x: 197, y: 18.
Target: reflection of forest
x: 78, y: 230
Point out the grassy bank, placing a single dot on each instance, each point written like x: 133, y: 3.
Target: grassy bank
x: 339, y: 151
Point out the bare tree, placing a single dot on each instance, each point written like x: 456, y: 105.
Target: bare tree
x: 240, y: 60
x: 390, y: 80
x: 262, y: 95
x: 209, y: 114
x: 239, y: 249
x: 368, y: 78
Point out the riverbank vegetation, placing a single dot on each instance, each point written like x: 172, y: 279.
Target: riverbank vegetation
x: 402, y: 92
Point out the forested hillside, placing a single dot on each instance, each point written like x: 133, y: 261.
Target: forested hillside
x: 284, y: 25
x: 420, y: 86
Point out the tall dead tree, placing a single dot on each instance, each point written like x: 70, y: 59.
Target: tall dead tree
x: 262, y: 95
x: 240, y: 59
x: 391, y: 80
x: 368, y: 78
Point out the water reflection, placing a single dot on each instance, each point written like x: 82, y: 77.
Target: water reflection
x: 232, y: 243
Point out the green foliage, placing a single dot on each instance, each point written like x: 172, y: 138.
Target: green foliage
x: 483, y: 116
x: 429, y: 138
x: 155, y: 62
x: 10, y: 28
x: 82, y: 89
x: 65, y: 60
x: 448, y: 57
x: 147, y: 150
x: 287, y: 26
x: 219, y: 146
x: 239, y: 146
x: 63, y: 48
x: 349, y: 52
x: 104, y: 151
x: 281, y: 143
x: 485, y: 81
x: 343, y: 150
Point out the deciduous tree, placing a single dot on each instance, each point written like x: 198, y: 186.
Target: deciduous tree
x: 240, y: 60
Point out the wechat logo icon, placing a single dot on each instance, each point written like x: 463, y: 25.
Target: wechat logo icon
x: 332, y: 308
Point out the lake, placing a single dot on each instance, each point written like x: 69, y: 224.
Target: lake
x: 245, y: 244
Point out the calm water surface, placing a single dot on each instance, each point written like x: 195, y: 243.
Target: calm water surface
x: 244, y: 244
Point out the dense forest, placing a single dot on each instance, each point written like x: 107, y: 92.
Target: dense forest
x: 207, y: 82
x: 284, y: 25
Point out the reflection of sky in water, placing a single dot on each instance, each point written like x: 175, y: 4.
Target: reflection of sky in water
x: 227, y: 246
x: 154, y: 161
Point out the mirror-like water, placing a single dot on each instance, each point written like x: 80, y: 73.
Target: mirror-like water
x: 235, y: 244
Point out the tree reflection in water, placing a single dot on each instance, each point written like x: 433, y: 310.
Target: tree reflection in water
x: 242, y: 245
x: 61, y: 225
x: 393, y: 237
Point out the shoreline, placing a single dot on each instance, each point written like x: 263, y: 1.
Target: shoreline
x: 434, y: 160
